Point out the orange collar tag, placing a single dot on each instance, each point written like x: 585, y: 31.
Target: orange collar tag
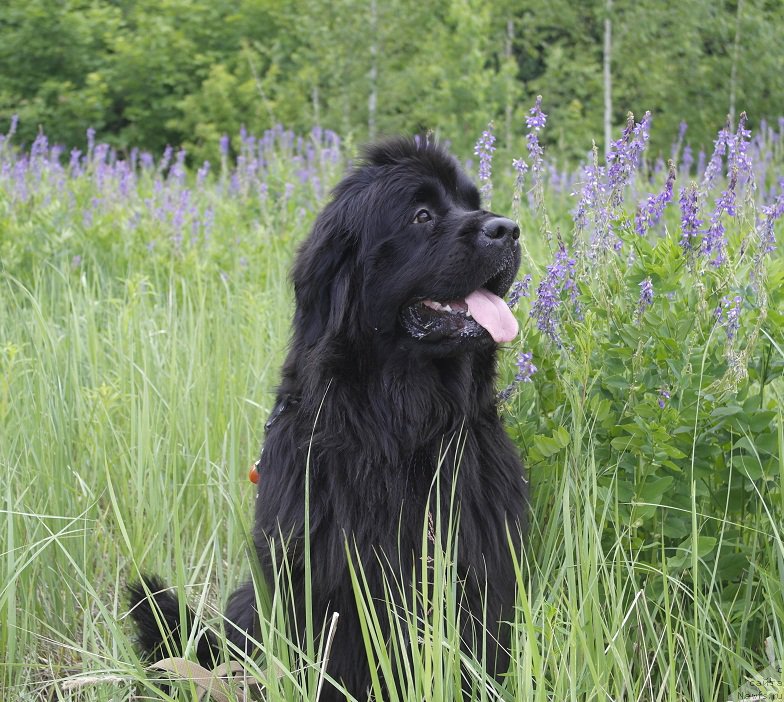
x: 253, y: 475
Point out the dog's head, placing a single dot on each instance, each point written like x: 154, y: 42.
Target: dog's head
x: 404, y: 256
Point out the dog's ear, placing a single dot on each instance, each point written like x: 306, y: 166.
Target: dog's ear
x: 323, y: 277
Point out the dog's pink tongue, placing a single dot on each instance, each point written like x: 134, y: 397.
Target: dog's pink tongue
x: 493, y: 314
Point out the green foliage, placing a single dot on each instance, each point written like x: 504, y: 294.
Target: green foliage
x: 184, y: 72
x: 680, y: 413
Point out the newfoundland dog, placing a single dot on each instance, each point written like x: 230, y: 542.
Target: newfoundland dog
x: 389, y: 380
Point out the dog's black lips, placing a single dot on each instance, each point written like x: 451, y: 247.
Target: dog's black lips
x: 424, y: 321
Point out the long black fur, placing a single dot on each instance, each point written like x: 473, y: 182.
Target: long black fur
x: 371, y: 401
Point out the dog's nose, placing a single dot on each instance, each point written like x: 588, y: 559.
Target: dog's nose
x: 500, y: 228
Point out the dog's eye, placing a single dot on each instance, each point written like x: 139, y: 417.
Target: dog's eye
x: 422, y: 216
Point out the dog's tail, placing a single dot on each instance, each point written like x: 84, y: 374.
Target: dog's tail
x: 157, y: 614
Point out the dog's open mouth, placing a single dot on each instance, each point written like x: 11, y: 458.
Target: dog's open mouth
x: 478, y: 313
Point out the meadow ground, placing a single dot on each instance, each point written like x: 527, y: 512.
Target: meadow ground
x: 144, y: 311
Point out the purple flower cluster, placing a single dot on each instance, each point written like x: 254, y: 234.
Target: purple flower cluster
x: 485, y: 146
x: 603, y: 186
x: 771, y: 213
x: 650, y: 212
x: 559, y: 279
x: 690, y: 221
x: 676, y: 147
x: 130, y: 189
x: 520, y: 168
x: 593, y: 197
x: 714, y: 242
x: 766, y: 235
x: 624, y: 156
x: 714, y: 166
x: 646, y: 297
x: 525, y: 369
x: 519, y: 289
x: 664, y: 396
x: 535, y: 122
x: 739, y: 169
x: 728, y: 315
x: 738, y: 156
x: 687, y: 160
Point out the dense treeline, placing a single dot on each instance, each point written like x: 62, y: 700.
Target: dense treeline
x: 156, y: 72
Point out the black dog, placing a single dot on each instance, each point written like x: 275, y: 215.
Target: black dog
x: 398, y: 315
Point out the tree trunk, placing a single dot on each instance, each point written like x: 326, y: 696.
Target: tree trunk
x: 373, y: 76
x: 734, y: 68
x: 608, y: 78
x: 510, y: 81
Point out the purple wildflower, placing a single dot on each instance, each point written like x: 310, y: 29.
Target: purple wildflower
x: 728, y: 315
x: 603, y: 186
x: 771, y: 212
x: 625, y: 154
x: 519, y: 289
x: 682, y: 127
x: 535, y: 121
x: 676, y: 147
x: 690, y: 223
x: 737, y: 149
x: 520, y: 166
x: 484, y: 148
x: 646, y: 297
x: 74, y: 163
x: 560, y: 277
x: 650, y: 212
x: 766, y: 236
x: 688, y: 159
x: 163, y: 164
x: 525, y: 369
x: 715, y: 242
x: 40, y: 147
x: 739, y: 168
x: 592, y: 196
x: 177, y: 171
x: 90, y: 142
x: 714, y: 165
x: 664, y: 395
x: 201, y: 174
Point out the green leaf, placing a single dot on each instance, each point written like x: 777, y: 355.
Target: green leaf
x: 545, y: 446
x: 562, y: 437
x: 727, y: 411
x: 653, y: 490
x: 705, y: 544
x: 762, y: 420
x: 672, y: 451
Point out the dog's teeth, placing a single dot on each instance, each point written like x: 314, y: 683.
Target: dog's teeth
x: 469, y: 315
x: 447, y: 308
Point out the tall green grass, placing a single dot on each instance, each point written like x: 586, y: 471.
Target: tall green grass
x: 128, y: 422
x: 134, y: 385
